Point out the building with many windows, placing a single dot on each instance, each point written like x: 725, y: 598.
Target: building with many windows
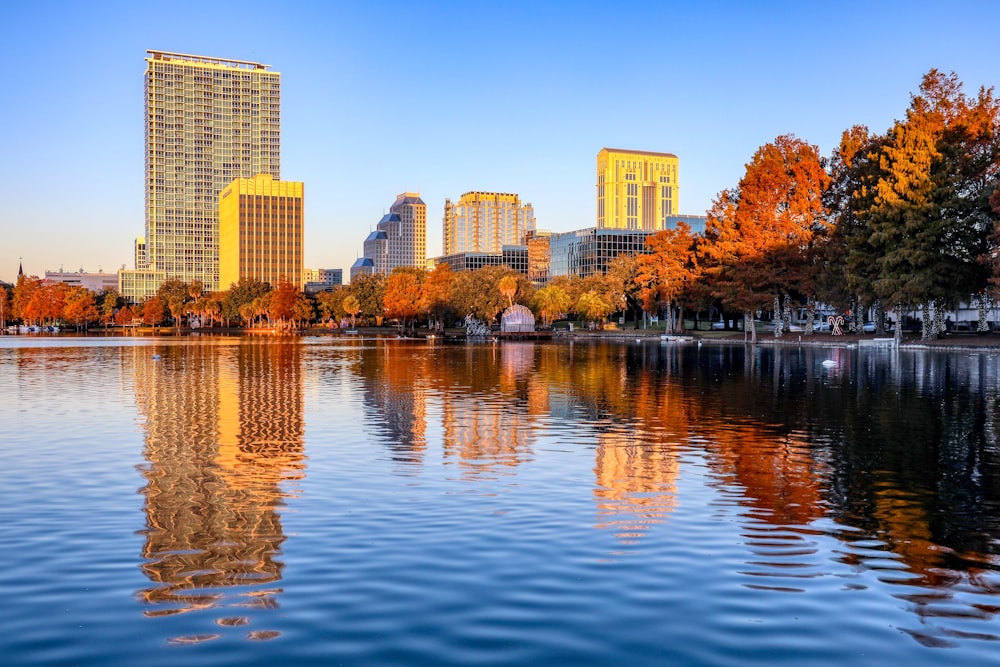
x: 209, y: 121
x: 511, y: 256
x: 636, y: 189
x: 587, y: 252
x: 363, y: 266
x: 261, y: 231
x: 400, y: 237
x: 485, y: 222
x: 322, y: 280
x: 94, y: 282
x: 409, y: 246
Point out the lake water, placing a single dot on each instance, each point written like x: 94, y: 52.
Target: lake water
x: 383, y: 502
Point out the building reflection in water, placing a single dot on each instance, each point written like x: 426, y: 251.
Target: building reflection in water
x: 224, y: 434
x: 488, y: 397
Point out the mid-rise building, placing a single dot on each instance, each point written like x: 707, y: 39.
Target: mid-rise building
x: 261, y: 231
x: 636, y: 190
x: 363, y: 266
x: 539, y: 256
x: 322, y: 280
x: 400, y: 237
x: 95, y: 282
x: 512, y: 256
x: 485, y: 222
x: 209, y: 121
x: 587, y: 252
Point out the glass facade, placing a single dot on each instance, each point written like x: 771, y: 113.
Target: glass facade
x: 513, y: 256
x: 586, y: 252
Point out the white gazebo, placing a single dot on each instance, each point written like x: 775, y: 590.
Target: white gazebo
x: 517, y: 319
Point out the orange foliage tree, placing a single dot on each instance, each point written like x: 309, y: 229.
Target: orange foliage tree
x: 403, y: 294
x: 154, y: 311
x: 770, y: 219
x: 665, y: 270
x: 281, y: 307
x: 435, y: 301
x: 80, y: 308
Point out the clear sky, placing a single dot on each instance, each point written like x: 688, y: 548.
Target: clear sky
x: 379, y: 98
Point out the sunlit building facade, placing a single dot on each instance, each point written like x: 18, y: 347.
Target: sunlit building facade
x: 94, y: 282
x: 636, y: 190
x: 485, y: 222
x: 409, y: 246
x: 399, y: 238
x: 209, y: 121
x: 261, y: 231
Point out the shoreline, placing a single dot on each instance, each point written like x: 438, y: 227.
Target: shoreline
x: 962, y: 341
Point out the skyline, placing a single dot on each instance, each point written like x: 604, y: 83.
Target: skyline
x: 447, y: 98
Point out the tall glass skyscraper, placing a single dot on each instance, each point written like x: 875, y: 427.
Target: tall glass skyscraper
x: 209, y: 121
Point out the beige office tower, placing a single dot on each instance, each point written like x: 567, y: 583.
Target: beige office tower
x: 209, y: 121
x: 411, y: 248
x: 486, y: 222
x: 260, y: 231
x: 636, y: 189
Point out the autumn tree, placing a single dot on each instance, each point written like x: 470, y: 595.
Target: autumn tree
x: 402, y: 299
x: 664, y: 271
x: 928, y: 221
x: 80, y: 307
x: 24, y: 292
x: 124, y: 316
x: 5, y: 306
x: 758, y: 235
x: 281, y: 303
x: 435, y: 300
x: 154, y: 311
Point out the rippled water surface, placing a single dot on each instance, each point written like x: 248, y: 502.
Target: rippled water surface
x: 384, y: 502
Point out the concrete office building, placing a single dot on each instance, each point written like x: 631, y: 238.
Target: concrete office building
x: 636, y: 190
x: 486, y: 222
x: 209, y: 121
x: 261, y: 231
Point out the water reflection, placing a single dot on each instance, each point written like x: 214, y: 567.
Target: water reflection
x: 223, y: 430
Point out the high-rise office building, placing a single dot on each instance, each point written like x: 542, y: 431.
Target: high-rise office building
x: 399, y: 238
x: 260, y: 231
x: 411, y: 250
x: 636, y: 189
x: 209, y: 121
x: 486, y: 222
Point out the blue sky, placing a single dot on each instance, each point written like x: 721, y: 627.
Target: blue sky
x: 446, y: 97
